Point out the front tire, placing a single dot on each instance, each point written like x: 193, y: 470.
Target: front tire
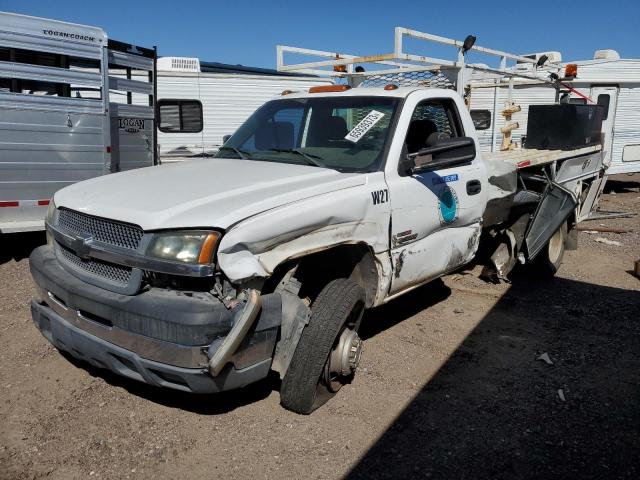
x: 329, y: 349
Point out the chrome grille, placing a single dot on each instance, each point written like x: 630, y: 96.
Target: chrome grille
x: 102, y: 230
x: 109, y: 271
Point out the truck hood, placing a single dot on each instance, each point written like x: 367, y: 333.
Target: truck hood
x: 215, y: 192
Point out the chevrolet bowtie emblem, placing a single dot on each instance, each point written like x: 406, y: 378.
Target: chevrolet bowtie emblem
x: 81, y: 244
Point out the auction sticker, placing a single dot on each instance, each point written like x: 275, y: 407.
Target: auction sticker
x: 364, y: 126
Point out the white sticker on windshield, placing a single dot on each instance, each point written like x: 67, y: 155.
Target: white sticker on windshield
x: 364, y: 126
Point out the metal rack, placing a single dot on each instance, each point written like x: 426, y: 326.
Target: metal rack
x: 404, y: 67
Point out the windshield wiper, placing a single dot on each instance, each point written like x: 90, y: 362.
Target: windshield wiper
x: 237, y: 151
x: 309, y: 157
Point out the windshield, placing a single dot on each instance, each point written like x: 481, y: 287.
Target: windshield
x: 343, y: 133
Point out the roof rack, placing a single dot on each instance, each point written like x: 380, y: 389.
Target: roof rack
x: 412, y: 69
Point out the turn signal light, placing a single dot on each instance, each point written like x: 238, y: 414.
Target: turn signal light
x: 208, y: 246
x: 391, y: 86
x: 329, y: 88
x: 571, y: 70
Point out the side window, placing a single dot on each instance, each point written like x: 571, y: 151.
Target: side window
x: 432, y: 121
x: 179, y: 116
x: 603, y: 101
x: 481, y: 119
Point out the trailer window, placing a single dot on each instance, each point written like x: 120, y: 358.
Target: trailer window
x: 603, y: 101
x: 481, y: 119
x: 180, y: 116
x: 45, y: 59
x: 32, y: 87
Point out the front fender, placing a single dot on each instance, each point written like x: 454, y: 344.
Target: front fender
x: 254, y: 247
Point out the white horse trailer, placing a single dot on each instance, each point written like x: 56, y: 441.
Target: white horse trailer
x: 199, y: 103
x: 608, y: 80
x: 58, y: 121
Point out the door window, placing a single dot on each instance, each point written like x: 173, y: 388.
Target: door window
x: 432, y: 121
x: 603, y: 101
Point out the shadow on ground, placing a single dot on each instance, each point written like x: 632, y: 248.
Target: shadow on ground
x: 494, y: 411
x: 622, y: 184
x: 16, y: 246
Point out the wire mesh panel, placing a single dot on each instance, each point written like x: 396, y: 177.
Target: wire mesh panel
x: 109, y: 271
x: 103, y: 230
x: 436, y: 113
x: 423, y: 78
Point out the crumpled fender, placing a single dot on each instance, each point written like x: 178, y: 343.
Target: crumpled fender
x: 254, y: 247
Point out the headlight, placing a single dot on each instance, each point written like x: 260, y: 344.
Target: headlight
x: 187, y: 246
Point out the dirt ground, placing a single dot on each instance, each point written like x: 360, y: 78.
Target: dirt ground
x: 450, y: 386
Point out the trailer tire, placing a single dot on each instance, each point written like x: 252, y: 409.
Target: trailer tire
x: 548, y: 261
x: 335, y: 318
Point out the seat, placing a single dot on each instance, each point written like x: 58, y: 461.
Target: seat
x: 275, y: 135
x: 419, y: 133
x: 332, y: 129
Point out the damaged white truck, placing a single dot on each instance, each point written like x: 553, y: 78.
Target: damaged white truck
x: 204, y: 276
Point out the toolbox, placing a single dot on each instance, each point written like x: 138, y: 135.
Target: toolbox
x: 563, y: 126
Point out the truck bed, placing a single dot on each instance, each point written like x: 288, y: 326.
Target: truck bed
x: 523, y: 157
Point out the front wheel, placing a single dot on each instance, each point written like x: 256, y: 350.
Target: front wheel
x: 329, y: 349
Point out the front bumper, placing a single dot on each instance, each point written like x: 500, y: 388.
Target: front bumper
x: 160, y: 338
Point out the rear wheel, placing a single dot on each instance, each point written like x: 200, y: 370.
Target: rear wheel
x: 329, y: 349
x: 548, y: 261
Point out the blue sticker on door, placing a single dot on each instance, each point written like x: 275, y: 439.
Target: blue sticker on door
x: 448, y: 203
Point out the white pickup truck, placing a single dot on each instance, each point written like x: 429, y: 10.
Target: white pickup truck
x: 205, y: 275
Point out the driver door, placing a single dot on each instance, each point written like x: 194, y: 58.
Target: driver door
x: 436, y: 214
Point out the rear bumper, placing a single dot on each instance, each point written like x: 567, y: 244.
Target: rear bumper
x: 160, y: 338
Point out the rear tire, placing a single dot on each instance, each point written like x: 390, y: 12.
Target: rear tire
x: 329, y: 349
x: 548, y: 261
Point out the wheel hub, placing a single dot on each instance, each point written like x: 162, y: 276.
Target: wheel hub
x: 345, y: 357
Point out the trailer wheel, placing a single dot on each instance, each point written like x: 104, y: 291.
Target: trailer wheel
x: 329, y: 349
x: 548, y: 261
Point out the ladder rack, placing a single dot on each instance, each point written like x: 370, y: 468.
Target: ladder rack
x: 399, y: 64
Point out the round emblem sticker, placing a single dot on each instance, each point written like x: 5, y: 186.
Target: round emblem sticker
x: 448, y: 202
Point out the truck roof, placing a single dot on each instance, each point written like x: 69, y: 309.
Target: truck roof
x: 400, y: 92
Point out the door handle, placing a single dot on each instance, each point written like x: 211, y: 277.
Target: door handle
x: 473, y: 187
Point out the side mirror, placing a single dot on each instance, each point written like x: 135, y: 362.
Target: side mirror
x: 225, y: 138
x: 446, y: 153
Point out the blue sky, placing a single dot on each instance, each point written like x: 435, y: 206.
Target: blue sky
x: 246, y: 32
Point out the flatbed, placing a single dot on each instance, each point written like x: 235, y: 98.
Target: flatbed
x: 523, y: 157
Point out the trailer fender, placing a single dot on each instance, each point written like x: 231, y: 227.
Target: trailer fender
x: 556, y: 206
